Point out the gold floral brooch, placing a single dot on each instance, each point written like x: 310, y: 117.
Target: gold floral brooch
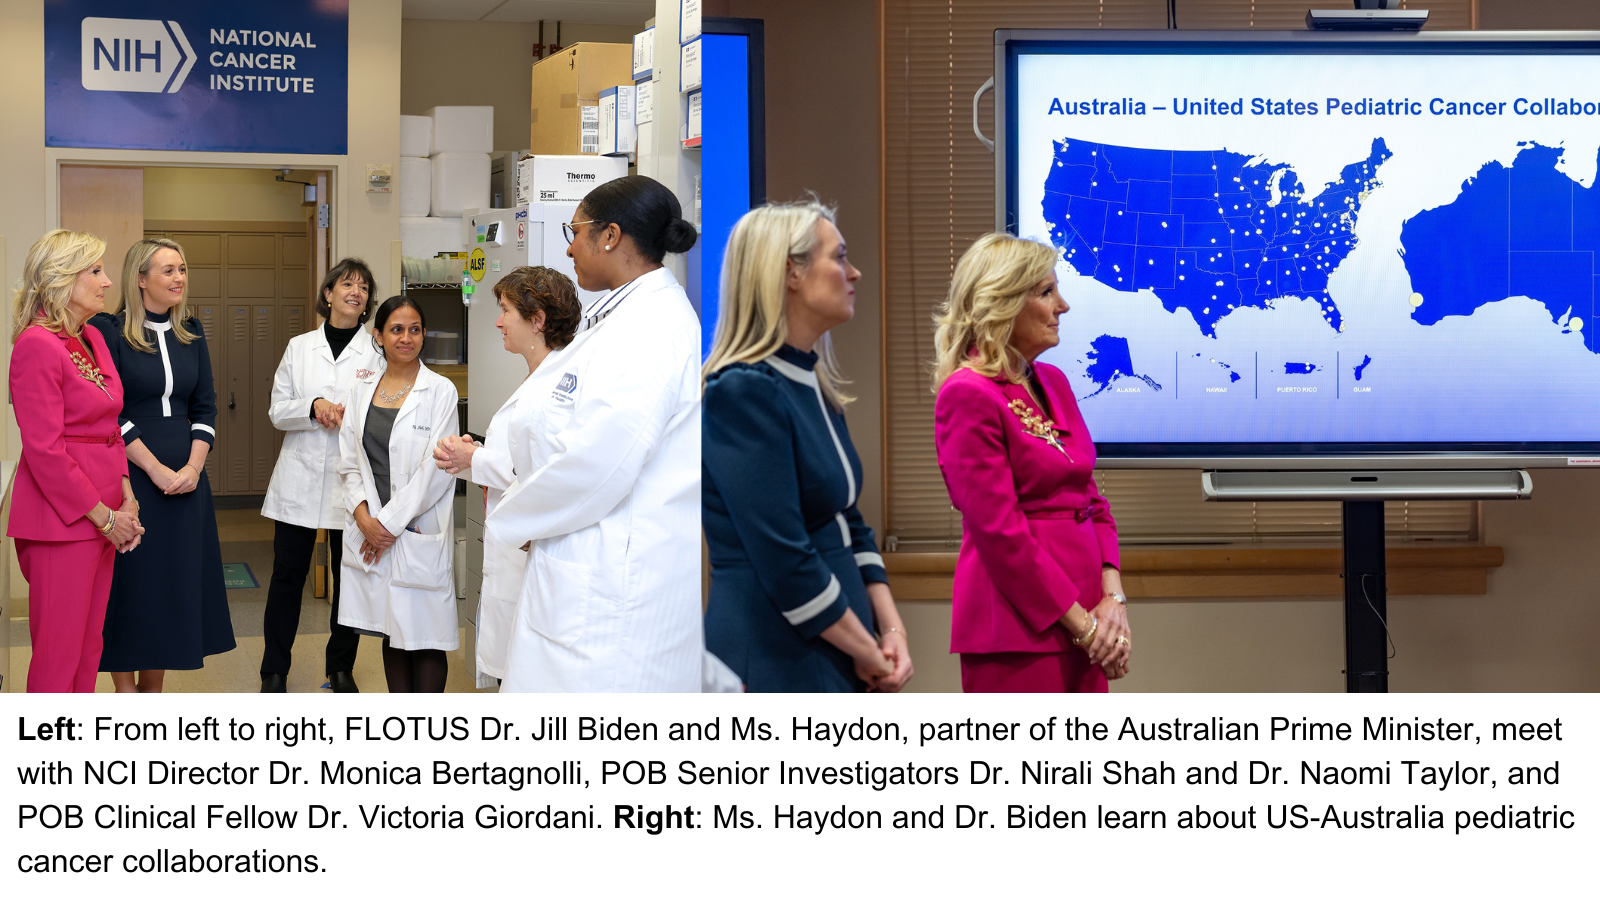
x: 89, y: 371
x: 1037, y: 425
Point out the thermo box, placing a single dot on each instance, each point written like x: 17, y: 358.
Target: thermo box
x: 566, y: 179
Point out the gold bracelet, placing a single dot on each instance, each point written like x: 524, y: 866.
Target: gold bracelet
x: 111, y: 523
x: 901, y: 630
x: 1094, y: 625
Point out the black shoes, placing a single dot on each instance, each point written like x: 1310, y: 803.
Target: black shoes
x: 343, y: 683
x: 274, y: 684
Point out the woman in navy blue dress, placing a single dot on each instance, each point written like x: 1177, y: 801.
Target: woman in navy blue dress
x: 799, y: 597
x: 169, y: 606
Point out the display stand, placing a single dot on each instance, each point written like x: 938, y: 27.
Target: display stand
x: 1366, y: 612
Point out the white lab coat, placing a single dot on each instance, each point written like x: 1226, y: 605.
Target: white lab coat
x: 409, y: 593
x: 495, y: 467
x: 611, y: 596
x: 305, y: 489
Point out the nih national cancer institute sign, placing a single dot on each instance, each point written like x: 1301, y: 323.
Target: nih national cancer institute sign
x: 260, y: 76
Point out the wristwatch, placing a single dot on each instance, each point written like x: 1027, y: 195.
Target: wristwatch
x: 1118, y: 597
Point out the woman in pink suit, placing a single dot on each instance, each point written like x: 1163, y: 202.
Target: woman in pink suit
x: 73, y: 469
x: 1037, y: 601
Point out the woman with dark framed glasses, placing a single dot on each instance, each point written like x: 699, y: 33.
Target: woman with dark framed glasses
x: 610, y: 599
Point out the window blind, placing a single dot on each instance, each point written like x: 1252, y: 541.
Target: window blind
x: 938, y: 184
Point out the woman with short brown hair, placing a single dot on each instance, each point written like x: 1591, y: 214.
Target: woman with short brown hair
x: 539, y: 314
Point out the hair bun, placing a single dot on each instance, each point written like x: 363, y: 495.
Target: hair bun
x: 679, y: 236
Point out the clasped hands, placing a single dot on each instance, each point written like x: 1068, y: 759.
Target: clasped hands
x: 127, y: 533
x: 1112, y: 646
x: 892, y: 669
x: 171, y: 483
x: 376, y: 539
x: 328, y: 413
x: 454, y: 453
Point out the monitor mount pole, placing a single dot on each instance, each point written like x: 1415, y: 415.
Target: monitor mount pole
x: 1366, y: 612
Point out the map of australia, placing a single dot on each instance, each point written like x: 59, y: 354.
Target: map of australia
x: 1206, y: 231
x: 1524, y: 230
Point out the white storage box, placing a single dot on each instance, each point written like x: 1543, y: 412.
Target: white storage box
x: 688, y: 20
x: 460, y: 181
x: 416, y: 136
x: 416, y: 186
x: 461, y: 129
x: 689, y: 66
x: 644, y: 107
x: 691, y: 125
x: 424, y: 236
x: 644, y: 54
x: 566, y: 179
x: 617, y: 128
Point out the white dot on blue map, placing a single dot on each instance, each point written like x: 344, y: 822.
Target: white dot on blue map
x: 1575, y: 324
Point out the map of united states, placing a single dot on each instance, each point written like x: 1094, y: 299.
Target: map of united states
x: 1209, y: 231
x: 1523, y: 230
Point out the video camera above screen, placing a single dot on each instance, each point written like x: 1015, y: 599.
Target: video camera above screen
x: 1300, y: 248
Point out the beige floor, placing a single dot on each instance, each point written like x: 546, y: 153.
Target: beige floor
x: 238, y: 670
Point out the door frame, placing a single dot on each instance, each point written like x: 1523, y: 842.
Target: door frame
x: 339, y: 179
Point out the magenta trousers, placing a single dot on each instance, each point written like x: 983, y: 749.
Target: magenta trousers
x: 1068, y: 672
x: 69, y: 583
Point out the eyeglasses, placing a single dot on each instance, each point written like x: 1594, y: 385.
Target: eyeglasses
x: 571, y: 232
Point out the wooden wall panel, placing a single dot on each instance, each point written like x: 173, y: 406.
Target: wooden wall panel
x: 106, y: 201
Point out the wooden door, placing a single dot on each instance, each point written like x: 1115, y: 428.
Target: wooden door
x: 248, y: 290
x: 108, y: 202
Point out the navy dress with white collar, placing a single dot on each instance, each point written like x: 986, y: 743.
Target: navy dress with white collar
x: 790, y: 552
x: 169, y: 603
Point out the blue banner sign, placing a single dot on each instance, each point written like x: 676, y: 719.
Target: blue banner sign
x: 262, y: 77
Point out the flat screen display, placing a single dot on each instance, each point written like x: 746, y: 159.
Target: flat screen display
x: 1302, y: 246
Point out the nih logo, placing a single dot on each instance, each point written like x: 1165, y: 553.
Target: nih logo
x: 145, y: 56
x: 569, y: 383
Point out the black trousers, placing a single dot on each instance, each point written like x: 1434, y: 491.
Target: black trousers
x: 292, y: 548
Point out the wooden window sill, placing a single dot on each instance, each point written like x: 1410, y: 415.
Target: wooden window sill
x: 1217, y: 573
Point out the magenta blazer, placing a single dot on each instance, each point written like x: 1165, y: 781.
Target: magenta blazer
x: 1035, y: 531
x: 72, y: 452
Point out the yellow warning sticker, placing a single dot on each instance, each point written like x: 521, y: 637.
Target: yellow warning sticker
x: 477, y: 264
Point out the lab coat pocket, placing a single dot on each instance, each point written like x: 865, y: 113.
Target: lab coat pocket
x: 503, y: 568
x: 561, y: 598
x: 353, y: 539
x: 422, y: 561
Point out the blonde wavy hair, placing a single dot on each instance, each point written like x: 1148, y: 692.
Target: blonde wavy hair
x: 751, y: 324
x: 48, y: 275
x: 989, y: 289
x: 135, y: 264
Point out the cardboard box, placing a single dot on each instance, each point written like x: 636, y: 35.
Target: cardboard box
x: 566, y: 179
x: 566, y: 96
x: 617, y: 128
